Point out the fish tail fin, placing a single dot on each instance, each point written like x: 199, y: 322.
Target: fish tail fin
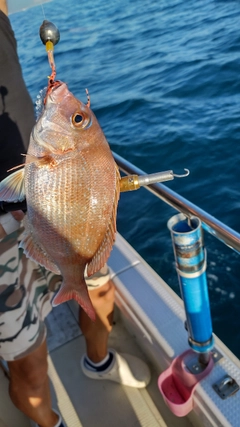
x: 79, y: 294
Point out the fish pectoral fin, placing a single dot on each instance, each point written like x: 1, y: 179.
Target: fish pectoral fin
x: 79, y: 293
x: 12, y: 188
x: 35, y: 252
x: 46, y: 160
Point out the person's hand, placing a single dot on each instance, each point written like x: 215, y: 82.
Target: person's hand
x: 3, y: 6
x: 2, y: 232
x: 18, y: 216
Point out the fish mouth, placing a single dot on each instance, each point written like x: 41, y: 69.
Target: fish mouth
x: 55, y: 90
x: 51, y: 86
x: 46, y: 129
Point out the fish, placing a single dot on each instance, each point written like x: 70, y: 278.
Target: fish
x: 71, y: 184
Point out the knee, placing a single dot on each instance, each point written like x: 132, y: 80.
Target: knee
x: 31, y: 376
x: 104, y: 296
x: 27, y: 385
x: 36, y: 378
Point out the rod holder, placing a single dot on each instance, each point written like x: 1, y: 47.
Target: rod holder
x: 190, y: 257
x: 177, y: 384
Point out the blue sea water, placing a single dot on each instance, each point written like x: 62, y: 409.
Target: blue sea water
x: 164, y: 81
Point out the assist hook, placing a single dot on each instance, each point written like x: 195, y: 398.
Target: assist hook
x: 183, y: 175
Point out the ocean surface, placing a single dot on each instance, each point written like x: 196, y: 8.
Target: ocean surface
x: 164, y: 82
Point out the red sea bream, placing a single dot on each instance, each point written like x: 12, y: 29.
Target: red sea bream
x: 71, y: 184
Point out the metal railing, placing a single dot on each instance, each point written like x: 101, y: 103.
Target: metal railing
x: 212, y: 225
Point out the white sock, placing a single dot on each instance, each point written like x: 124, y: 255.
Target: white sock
x: 99, y: 366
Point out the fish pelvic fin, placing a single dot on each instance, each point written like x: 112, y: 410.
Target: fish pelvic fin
x: 12, y: 188
x: 78, y: 293
x: 34, y: 251
x: 103, y: 252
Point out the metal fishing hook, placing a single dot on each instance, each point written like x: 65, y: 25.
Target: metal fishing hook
x: 183, y: 175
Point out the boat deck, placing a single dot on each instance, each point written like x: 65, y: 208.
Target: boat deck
x: 88, y: 403
x: 149, y: 323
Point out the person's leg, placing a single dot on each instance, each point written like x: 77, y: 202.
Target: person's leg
x: 25, y: 302
x: 29, y: 387
x: 100, y: 362
x: 96, y: 333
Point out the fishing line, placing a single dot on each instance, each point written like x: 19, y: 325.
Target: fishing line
x: 43, y: 11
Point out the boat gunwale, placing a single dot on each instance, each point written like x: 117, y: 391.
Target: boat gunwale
x: 212, y: 225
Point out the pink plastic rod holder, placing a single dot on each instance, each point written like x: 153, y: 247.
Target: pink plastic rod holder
x: 177, y: 384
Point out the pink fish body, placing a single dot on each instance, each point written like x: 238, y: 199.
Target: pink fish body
x: 72, y: 189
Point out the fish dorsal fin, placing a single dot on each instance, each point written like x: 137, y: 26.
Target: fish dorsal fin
x: 34, y: 251
x: 12, y: 188
x: 103, y: 252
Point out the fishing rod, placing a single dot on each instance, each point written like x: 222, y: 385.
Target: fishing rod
x: 134, y: 182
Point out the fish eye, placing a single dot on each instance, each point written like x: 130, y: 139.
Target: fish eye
x: 79, y: 120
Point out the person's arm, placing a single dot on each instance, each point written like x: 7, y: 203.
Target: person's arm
x: 3, y: 6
